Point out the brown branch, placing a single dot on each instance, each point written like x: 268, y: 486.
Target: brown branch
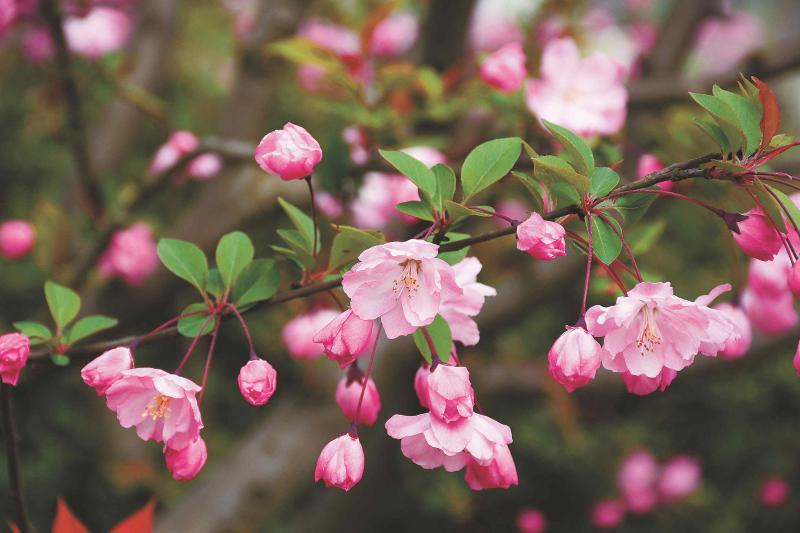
x: 12, y: 454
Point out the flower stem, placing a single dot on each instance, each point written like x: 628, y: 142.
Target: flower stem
x: 624, y: 244
x: 12, y: 455
x: 208, y: 362
x: 589, y: 255
x: 512, y: 221
x: 664, y: 193
x: 194, y: 344
x: 162, y: 327
x: 313, y: 216
x: 366, y: 377
x: 244, y: 328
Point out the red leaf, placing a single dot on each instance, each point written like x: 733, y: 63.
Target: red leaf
x: 65, y: 521
x: 771, y: 118
x: 139, y: 522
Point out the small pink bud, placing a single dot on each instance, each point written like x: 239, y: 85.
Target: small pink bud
x: 757, y: 237
x: 347, y: 395
x: 637, y: 480
x: 204, y: 166
x: 450, y: 396
x: 100, y: 31
x: 394, y: 35
x: 774, y: 492
x: 186, y: 463
x: 642, y: 385
x: 680, y: 477
x: 107, y: 368
x: 608, y: 514
x: 290, y: 153
x: 345, y: 337
x: 540, y: 238
x: 505, y: 69
x: 14, y: 351
x: 257, y: 381
x: 499, y: 473
x: 341, y: 463
x: 17, y: 238
x: 421, y: 384
x: 574, y: 358
x: 531, y: 521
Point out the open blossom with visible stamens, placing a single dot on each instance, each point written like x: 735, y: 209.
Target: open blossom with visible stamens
x: 458, y: 311
x: 257, y: 381
x: 107, y: 368
x: 348, y: 392
x: 499, y: 473
x: 14, y: 351
x: 450, y: 395
x: 131, y: 255
x: 637, y: 479
x: 642, y: 385
x: 341, y: 463
x: 651, y: 329
x: 299, y: 334
x: 290, y: 153
x: 757, y: 236
x: 17, y: 238
x: 402, y: 283
x: 505, y: 69
x: 162, y: 406
x: 574, y: 358
x: 345, y: 337
x: 540, y: 238
x: 186, y: 463
x: 679, y: 477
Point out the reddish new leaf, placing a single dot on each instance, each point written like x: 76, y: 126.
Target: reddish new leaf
x: 771, y: 118
x: 65, y: 521
x: 13, y: 527
x: 139, y: 522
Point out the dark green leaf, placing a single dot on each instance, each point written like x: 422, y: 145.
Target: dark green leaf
x: 633, y: 206
x: 89, y: 325
x: 716, y: 134
x: 565, y: 194
x: 64, y: 303
x: 413, y: 169
x: 604, y: 179
x: 605, y: 243
x: 579, y: 152
x: 303, y: 223
x: 488, y: 163
x: 446, y: 184
x: 349, y: 243
x: 415, y: 209
x: 185, y: 260
x: 458, y: 211
x: 190, y: 326
x: 298, y: 244
x: 258, y: 281
x: 746, y: 116
x: 551, y: 169
x: 441, y: 336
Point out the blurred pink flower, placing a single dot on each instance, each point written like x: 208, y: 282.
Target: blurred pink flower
x: 101, y: 31
x: 8, y: 13
x: 14, y: 351
x: 458, y: 310
x: 17, y: 239
x: 341, y: 463
x: 794, y: 280
x: 771, y: 314
x: 493, y: 24
x: 642, y: 385
x: 499, y: 473
x: 257, y: 381
x: 774, y: 492
x: 299, y: 333
x: 648, y: 163
x: 37, y: 44
x: 574, y: 358
x: 328, y: 204
x: 178, y: 144
x: 374, y: 207
x: 429, y: 155
x: 531, y: 520
x: 607, y: 514
x: 107, y: 368
x: 757, y: 236
x: 204, y: 166
x: 394, y: 35
x: 770, y: 278
x: 310, y: 77
x: 357, y: 142
x: 186, y: 463
x: 540, y: 238
x: 131, y: 255
x: 340, y: 40
x: 346, y: 337
x: 505, y: 69
x: 636, y: 480
x: 680, y: 476
x: 290, y: 153
x: 347, y: 395
x: 736, y: 348
x: 722, y: 43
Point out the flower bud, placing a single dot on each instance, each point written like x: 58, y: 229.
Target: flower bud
x: 773, y: 492
x: 107, y: 368
x: 186, y: 463
x: 14, y: 351
x: 504, y: 69
x: 421, y: 384
x: 637, y: 480
x: 290, y: 153
x: 348, y: 393
x: 345, y: 337
x: 257, y: 381
x: 450, y: 396
x: 341, y: 463
x: 17, y: 238
x: 757, y: 237
x: 608, y: 514
x: 574, y: 358
x: 540, y: 238
x: 531, y: 520
x: 680, y: 477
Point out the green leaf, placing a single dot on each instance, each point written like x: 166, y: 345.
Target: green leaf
x: 64, y: 303
x: 302, y: 222
x: 788, y: 204
x: 34, y: 330
x: 604, y: 179
x: 716, y: 134
x: 185, y: 260
x: 349, y: 243
x: 724, y: 116
x: 565, y: 194
x: 259, y: 281
x: 487, y: 163
x: 415, y: 209
x: 413, y: 169
x: 451, y: 258
x: 533, y: 187
x: 578, y: 150
x: 643, y: 236
x: 234, y: 252
x: 747, y: 117
x: 214, y: 285
x: 89, y: 325
x: 632, y: 207
x: 59, y: 359
x: 446, y: 184
x: 552, y: 169
x: 442, y: 338
x: 297, y: 243
x: 190, y: 326
x: 605, y: 243
x: 458, y: 211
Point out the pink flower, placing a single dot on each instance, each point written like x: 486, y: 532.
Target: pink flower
x: 505, y: 69
x: 513, y: 209
x: 680, y: 477
x: 492, y: 25
x: 402, y: 283
x: 311, y: 77
x: 499, y: 473
x: 770, y: 278
x: 347, y: 395
x: 328, y: 204
x: 531, y: 520
x: 17, y: 238
x: 458, y: 311
x: 101, y: 31
x: 257, y: 381
x: 607, y: 514
x: 651, y: 329
x: 162, y: 406
x: 540, y: 238
x: 341, y: 463
x: 394, y: 35
x: 450, y: 395
x: 290, y: 153
x: 774, y: 492
x: 8, y: 14
x: 648, y: 164
x: 421, y: 384
x: 642, y: 385
x: 374, y: 207
x: 772, y: 314
x: 429, y: 156
x: 637, y: 480
x: 574, y: 358
x: 14, y: 351
x: 357, y: 142
x: 723, y: 43
x: 299, y: 333
x: 186, y: 463
x: 345, y: 337
x: 36, y: 44
x: 586, y: 96
x: 338, y: 39
x: 204, y: 166
x: 107, y: 368
x: 736, y: 347
x: 757, y: 237
x: 178, y: 144
x: 131, y: 255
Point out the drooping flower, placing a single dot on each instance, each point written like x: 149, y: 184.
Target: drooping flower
x: 347, y: 395
x: 290, y: 153
x: 346, y: 337
x: 505, y: 69
x: 772, y: 314
x: 757, y: 236
x: 341, y: 463
x: 450, y: 395
x: 637, y: 479
x: 458, y: 311
x: 530, y: 520
x: 14, y: 351
x: 257, y: 381
x: 642, y: 385
x: 131, y: 255
x: 374, y: 207
x: 100, y: 31
x: 421, y: 384
x: 574, y: 358
x: 299, y: 333
x: 186, y: 463
x: 499, y: 473
x: 107, y: 368
x: 17, y: 239
x: 394, y: 35
x: 736, y: 347
x: 540, y: 238
x: 608, y: 514
x: 402, y: 283
x: 162, y: 406
x: 774, y: 492
x: 680, y: 476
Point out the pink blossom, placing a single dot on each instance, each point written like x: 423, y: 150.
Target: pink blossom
x: 131, y: 255
x: 8, y: 13
x: 374, y: 207
x: 637, y: 480
x: 505, y: 69
x: 162, y: 406
x: 648, y: 164
x: 574, y: 358
x: 540, y: 238
x: 178, y: 144
x: 642, y: 385
x: 36, y: 44
x: 586, y: 96
x: 311, y: 77
x: 773, y: 314
x: 459, y: 310
x: 204, y: 166
x: 107, y: 368
x: 680, y: 477
x: 14, y: 351
x: 513, y: 209
x: 531, y: 520
x: 299, y: 333
x: 357, y: 142
x: 736, y: 347
x: 347, y: 395
x: 421, y: 384
x: 402, y: 283
x: 607, y: 514
x: 338, y: 39
x: 770, y: 278
x: 346, y: 337
x: 651, y: 329
x: 427, y: 154
x: 100, y: 31
x: 341, y: 463
x: 774, y: 492
x: 186, y: 463
x: 450, y: 395
x: 492, y: 25
x: 499, y: 473
x: 757, y: 236
x: 328, y: 204
x: 17, y: 239
x: 290, y: 153
x: 394, y: 35
x: 257, y: 381
x: 723, y: 43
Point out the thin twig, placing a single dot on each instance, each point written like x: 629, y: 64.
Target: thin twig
x: 12, y: 454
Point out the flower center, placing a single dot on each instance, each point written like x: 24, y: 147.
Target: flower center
x: 158, y: 408
x: 408, y: 279
x: 650, y: 337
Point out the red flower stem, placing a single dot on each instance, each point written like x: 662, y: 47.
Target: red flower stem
x: 366, y: 379
x: 664, y: 193
x: 208, y: 361
x: 589, y: 255
x: 162, y: 327
x: 510, y: 220
x: 192, y: 345
x: 624, y: 245
x: 244, y: 328
x: 791, y: 219
x: 778, y: 181
x: 313, y: 216
x: 609, y: 270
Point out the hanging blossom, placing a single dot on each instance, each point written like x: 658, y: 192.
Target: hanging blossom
x: 345, y: 338
x: 768, y: 300
x: 186, y: 463
x: 402, y: 283
x: 459, y: 310
x: 14, y: 351
x: 341, y: 463
x: 348, y: 394
x: 131, y: 255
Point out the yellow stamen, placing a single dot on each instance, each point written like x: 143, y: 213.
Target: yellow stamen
x: 408, y: 279
x: 158, y: 407
x: 650, y: 337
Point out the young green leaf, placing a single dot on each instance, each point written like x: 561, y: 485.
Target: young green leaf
x: 552, y: 169
x: 724, y: 117
x: 190, y: 326
x: 747, y: 117
x: 446, y: 184
x: 302, y: 222
x: 34, y: 330
x: 604, y: 179
x: 533, y: 187
x: 458, y: 211
x: 413, y: 169
x: 214, y: 285
x: 487, y: 163
x: 715, y: 133
x: 185, y: 260
x: 299, y: 246
x: 415, y: 209
x: 64, y: 303
x: 565, y: 193
x: 451, y: 258
x: 605, y: 243
x: 234, y: 252
x: 578, y: 150
x: 349, y: 243
x: 442, y: 337
x: 632, y: 207
x: 89, y: 325
x: 259, y: 281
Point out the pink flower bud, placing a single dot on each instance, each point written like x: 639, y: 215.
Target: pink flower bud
x: 107, y: 368
x: 574, y: 358
x: 347, y: 395
x: 345, y: 337
x: 14, y: 351
x: 290, y: 153
x: 680, y: 477
x: 774, y: 492
x: 394, y: 35
x: 17, y: 238
x: 186, y: 463
x: 131, y: 255
x: 204, y: 166
x: 341, y: 463
x: 450, y: 396
x: 757, y: 237
x: 257, y: 381
x: 37, y: 45
x: 505, y: 69
x: 540, y: 238
x: 499, y: 473
x: 421, y: 384
x: 608, y: 514
x: 737, y: 347
x: 178, y: 144
x: 299, y: 334
x: 642, y: 385
x: 794, y: 280
x: 531, y: 520
x: 637, y: 480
